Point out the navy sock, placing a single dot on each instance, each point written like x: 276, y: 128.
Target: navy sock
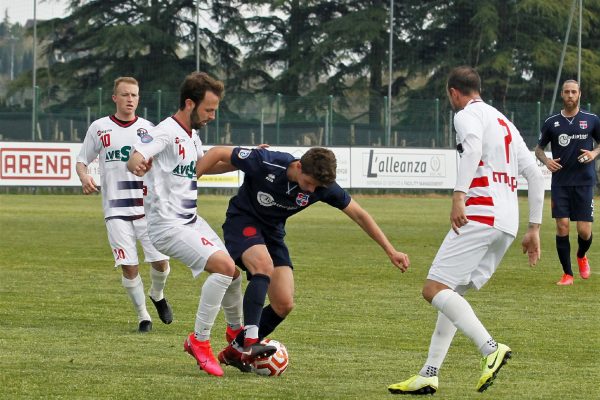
x: 563, y: 248
x: 584, y: 246
x: 254, y: 301
x: 269, y: 320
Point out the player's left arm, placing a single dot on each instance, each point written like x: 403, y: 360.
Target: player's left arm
x: 587, y: 156
x: 528, y: 168
x: 368, y: 224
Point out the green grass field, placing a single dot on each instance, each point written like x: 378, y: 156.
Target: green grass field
x: 68, y: 330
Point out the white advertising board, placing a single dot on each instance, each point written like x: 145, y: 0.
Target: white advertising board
x: 53, y: 164
x: 374, y: 167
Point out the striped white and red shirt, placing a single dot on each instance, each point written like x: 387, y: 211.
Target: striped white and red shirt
x: 493, y: 154
x: 110, y: 140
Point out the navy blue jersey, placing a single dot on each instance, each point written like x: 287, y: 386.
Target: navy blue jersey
x: 567, y: 136
x: 268, y: 194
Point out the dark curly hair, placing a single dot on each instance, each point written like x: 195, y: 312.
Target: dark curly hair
x: 320, y: 164
x: 195, y: 86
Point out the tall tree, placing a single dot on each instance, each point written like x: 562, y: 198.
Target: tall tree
x: 151, y: 40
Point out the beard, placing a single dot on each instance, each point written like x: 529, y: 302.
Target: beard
x: 196, y: 123
x: 571, y: 105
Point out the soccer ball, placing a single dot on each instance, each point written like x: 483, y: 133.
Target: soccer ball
x: 273, y: 365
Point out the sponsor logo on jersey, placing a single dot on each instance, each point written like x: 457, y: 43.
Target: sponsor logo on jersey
x: 267, y: 200
x: 583, y: 124
x: 144, y: 135
x: 302, y: 199
x: 270, y: 178
x: 101, y: 132
x: 180, y: 140
x: 186, y: 171
x: 121, y: 154
x: 244, y: 153
x: 556, y: 124
x: 564, y: 139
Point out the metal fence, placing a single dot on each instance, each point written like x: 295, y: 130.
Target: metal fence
x: 274, y: 119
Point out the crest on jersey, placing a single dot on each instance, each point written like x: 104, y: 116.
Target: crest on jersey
x: 564, y: 140
x: 144, y: 135
x: 244, y: 153
x: 583, y: 124
x: 302, y: 199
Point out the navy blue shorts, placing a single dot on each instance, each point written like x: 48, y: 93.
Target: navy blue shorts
x: 573, y: 202
x: 242, y: 232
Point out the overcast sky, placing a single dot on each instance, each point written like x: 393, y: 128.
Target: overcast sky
x: 22, y: 10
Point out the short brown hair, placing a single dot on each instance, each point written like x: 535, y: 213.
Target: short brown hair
x: 320, y: 164
x: 465, y: 79
x: 570, y: 81
x: 195, y: 86
x: 124, y: 79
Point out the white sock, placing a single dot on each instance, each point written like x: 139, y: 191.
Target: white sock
x: 135, y: 290
x: 251, y: 332
x: 159, y: 280
x: 440, y: 343
x: 232, y: 304
x: 211, y: 297
x: 459, y: 312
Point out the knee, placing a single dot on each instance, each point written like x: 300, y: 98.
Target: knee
x: 427, y: 293
x: 129, y: 271
x: 221, y: 264
x: 430, y: 289
x: 562, y: 228
x: 283, y: 308
x: 260, y: 265
x: 161, y: 265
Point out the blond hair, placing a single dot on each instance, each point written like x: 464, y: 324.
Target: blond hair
x: 124, y: 79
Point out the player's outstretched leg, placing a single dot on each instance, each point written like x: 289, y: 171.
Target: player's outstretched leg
x: 490, y: 366
x: 416, y: 384
x: 203, y: 354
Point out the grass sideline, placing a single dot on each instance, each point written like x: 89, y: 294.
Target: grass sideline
x: 68, y: 328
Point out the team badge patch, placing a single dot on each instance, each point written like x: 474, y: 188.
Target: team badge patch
x: 244, y: 153
x: 302, y: 199
x: 144, y: 135
x: 583, y: 124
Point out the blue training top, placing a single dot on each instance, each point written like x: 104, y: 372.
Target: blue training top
x: 567, y: 136
x: 268, y: 194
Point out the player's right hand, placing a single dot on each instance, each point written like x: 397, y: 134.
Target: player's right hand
x: 143, y: 167
x: 88, y: 185
x: 553, y: 164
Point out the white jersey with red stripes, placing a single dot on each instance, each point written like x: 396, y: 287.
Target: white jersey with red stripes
x: 110, y: 140
x: 171, y: 182
x: 493, y: 154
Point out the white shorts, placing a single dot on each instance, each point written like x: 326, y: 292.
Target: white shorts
x: 471, y: 258
x: 123, y: 235
x: 192, y: 244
